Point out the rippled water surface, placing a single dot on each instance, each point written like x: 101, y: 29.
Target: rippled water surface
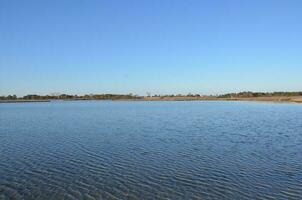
x: 150, y: 150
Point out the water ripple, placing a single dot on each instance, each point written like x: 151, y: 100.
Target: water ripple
x: 150, y: 150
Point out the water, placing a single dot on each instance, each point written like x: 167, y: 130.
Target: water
x: 150, y: 150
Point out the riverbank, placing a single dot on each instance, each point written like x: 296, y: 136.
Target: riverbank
x: 22, y: 101
x: 288, y: 99
x: 292, y: 99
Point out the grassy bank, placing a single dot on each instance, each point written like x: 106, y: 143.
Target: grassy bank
x: 296, y: 99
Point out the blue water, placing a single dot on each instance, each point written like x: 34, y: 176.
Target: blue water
x: 150, y: 150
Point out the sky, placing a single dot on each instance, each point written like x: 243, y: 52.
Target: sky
x: 156, y: 46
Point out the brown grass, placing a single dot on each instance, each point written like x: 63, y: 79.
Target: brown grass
x: 297, y: 99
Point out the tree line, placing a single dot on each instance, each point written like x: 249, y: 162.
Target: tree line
x: 131, y: 96
x: 259, y: 94
x: 71, y: 97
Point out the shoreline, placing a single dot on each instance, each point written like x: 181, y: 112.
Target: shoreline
x: 280, y: 99
x: 23, y: 101
x: 283, y: 99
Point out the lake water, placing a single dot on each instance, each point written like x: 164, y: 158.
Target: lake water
x: 150, y: 150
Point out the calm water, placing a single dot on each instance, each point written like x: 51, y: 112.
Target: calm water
x: 150, y: 150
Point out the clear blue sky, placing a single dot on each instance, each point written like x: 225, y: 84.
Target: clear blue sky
x: 157, y: 46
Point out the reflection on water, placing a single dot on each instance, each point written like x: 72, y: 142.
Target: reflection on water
x: 150, y: 150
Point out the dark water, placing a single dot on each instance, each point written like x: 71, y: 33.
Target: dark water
x: 150, y: 150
